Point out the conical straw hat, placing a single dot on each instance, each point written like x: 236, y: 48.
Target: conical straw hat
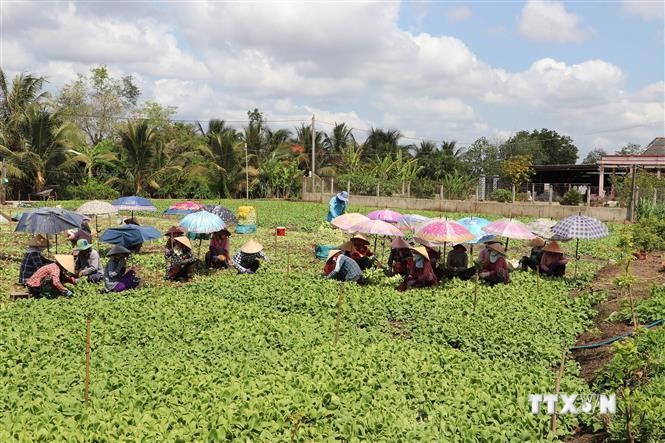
x: 553, y: 247
x: 333, y: 252
x: 251, y: 247
x: 67, y: 262
x: 184, y: 241
x: 399, y: 243
x: 422, y: 251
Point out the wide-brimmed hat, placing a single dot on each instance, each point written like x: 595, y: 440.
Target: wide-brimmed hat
x: 496, y: 247
x: 399, y: 243
x: 251, y: 247
x: 174, y: 230
x: 38, y: 241
x: 491, y: 242
x: 422, y: 251
x: 82, y: 245
x: 344, y: 196
x: 118, y: 250
x: 553, y: 247
x: 360, y: 236
x: 333, y: 252
x: 67, y: 262
x: 537, y: 243
x: 184, y: 241
x: 460, y: 246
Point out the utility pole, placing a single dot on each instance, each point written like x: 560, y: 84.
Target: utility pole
x: 313, y: 146
x: 246, y: 174
x: 631, y: 203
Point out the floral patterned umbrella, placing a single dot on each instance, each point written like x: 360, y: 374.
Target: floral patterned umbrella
x: 509, y: 228
x: 225, y: 214
x: 386, y: 215
x: 440, y: 230
x: 377, y: 227
x: 183, y: 208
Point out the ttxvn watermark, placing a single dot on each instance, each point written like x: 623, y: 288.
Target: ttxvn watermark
x: 574, y: 403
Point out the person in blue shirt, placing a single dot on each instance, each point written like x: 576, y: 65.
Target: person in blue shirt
x: 338, y: 205
x: 343, y: 268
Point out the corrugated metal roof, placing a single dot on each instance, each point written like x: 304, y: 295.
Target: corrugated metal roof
x: 656, y: 147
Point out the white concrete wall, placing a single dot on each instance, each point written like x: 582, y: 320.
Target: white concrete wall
x: 538, y: 210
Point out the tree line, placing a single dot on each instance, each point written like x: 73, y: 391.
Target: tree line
x: 95, y: 138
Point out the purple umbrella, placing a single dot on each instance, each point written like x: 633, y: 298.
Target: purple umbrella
x: 386, y: 215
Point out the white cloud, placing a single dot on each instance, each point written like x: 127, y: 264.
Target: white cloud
x: 648, y: 10
x: 458, y: 13
x: 550, y: 22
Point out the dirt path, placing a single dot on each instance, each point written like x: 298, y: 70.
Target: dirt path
x: 648, y: 272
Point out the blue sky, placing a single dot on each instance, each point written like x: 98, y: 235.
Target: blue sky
x: 434, y: 70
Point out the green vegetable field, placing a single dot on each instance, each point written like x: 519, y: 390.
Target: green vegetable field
x: 254, y: 358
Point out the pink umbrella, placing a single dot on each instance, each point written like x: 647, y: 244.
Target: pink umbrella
x: 509, y: 228
x: 377, y: 227
x: 441, y: 230
x: 386, y: 215
x: 346, y: 221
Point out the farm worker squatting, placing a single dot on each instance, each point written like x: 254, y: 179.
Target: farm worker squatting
x: 337, y: 205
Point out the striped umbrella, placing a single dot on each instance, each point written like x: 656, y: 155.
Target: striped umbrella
x: 509, y: 228
x: 408, y: 222
x: 346, y: 221
x: 580, y: 227
x: 386, y: 215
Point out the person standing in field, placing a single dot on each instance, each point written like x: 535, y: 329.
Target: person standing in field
x: 337, y: 205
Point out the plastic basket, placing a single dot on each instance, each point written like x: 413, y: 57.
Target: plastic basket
x: 321, y: 251
x: 245, y: 229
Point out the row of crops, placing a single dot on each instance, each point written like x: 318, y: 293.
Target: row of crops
x: 255, y: 358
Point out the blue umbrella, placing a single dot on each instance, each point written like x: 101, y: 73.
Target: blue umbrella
x: 133, y: 203
x: 202, y: 222
x: 49, y: 221
x: 130, y: 235
x: 475, y: 226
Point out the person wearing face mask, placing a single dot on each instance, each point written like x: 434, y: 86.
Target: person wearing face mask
x: 421, y: 274
x: 495, y: 270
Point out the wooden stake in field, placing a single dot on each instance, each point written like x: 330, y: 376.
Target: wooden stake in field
x: 340, y: 299
x: 557, y: 388
x: 475, y: 292
x: 288, y: 259
x: 87, y: 358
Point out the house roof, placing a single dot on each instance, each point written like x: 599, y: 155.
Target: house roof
x: 656, y: 147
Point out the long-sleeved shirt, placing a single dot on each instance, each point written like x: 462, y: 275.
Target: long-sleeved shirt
x: 498, y: 269
x: 219, y: 247
x: 398, y: 260
x: 457, y: 260
x: 336, y: 208
x: 51, y: 271
x: 242, y: 260
x: 421, y: 277
x: 113, y: 272
x: 346, y: 268
x: 550, y: 258
x: 32, y: 260
x: 88, y: 264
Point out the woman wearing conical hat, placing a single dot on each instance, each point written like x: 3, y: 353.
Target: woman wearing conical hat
x: 48, y: 280
x: 400, y: 258
x: 219, y: 251
x: 421, y: 274
x: 495, y: 269
x: 246, y: 260
x: 533, y: 259
x: 33, y: 258
x: 553, y: 263
x: 180, y: 262
x: 117, y: 277
x: 361, y: 252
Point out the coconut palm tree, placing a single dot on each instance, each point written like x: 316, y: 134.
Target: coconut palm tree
x: 25, y: 91
x: 92, y: 158
x: 139, y: 154
x: 221, y: 153
x: 382, y: 142
x: 340, y: 138
x: 40, y: 158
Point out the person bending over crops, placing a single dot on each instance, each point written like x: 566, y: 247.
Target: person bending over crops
x: 218, y: 255
x: 360, y: 251
x: 553, y: 263
x: 533, y: 259
x: 343, y: 268
x: 180, y: 263
x: 399, y: 259
x: 484, y: 254
x: 116, y: 276
x: 171, y: 234
x: 337, y: 205
x: 48, y: 280
x: 457, y: 264
x: 86, y: 261
x: 421, y: 274
x: 33, y: 258
x: 495, y: 270
x: 246, y: 260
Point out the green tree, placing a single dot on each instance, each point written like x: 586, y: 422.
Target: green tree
x: 482, y: 157
x: 517, y: 169
x: 630, y: 149
x: 593, y: 157
x: 97, y: 103
x: 382, y: 143
x: 223, y: 152
x: 16, y: 98
x: 546, y: 147
x: 139, y: 155
x: 92, y: 158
